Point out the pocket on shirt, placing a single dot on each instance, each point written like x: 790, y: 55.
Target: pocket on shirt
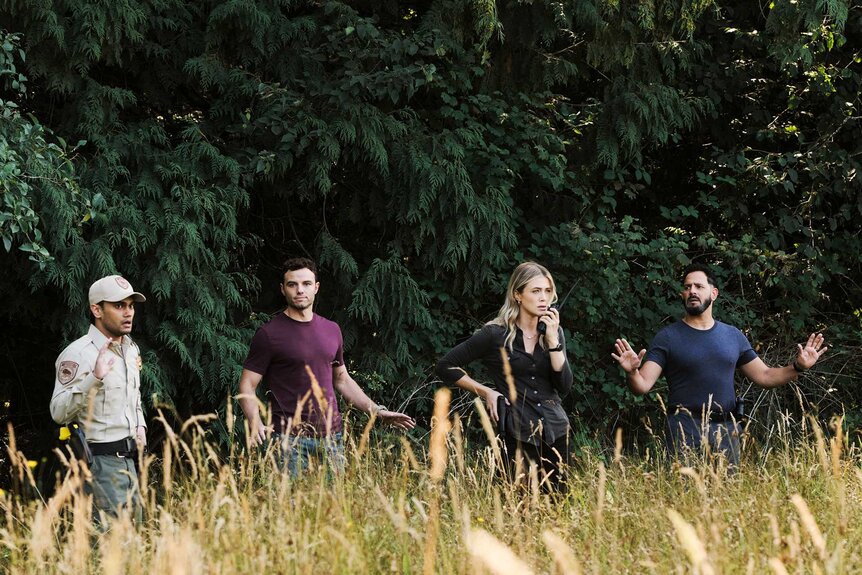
x: 112, y: 390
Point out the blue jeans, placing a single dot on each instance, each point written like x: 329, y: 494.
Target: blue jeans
x: 688, y: 434
x: 297, y: 453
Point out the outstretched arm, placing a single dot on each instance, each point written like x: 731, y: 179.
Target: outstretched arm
x: 354, y: 395
x: 641, y: 378
x: 807, y: 356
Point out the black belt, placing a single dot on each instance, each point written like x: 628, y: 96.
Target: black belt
x: 697, y: 412
x: 122, y: 448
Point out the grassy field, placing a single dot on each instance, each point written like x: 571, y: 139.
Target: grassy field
x: 437, y: 506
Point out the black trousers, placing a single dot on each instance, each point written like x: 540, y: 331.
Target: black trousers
x: 552, y: 459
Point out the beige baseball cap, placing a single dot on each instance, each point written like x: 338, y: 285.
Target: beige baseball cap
x: 113, y: 288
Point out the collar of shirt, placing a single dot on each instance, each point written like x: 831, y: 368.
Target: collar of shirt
x: 99, y: 339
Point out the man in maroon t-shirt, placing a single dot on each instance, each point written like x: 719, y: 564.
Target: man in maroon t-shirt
x: 285, y: 352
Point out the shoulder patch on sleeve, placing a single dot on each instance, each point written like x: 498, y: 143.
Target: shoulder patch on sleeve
x: 67, y: 371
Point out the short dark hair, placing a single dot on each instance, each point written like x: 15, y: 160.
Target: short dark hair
x: 293, y: 264
x: 697, y: 267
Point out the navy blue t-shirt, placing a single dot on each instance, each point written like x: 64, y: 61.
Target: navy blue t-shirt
x: 700, y: 363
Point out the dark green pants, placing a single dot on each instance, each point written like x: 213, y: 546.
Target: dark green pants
x: 114, y: 486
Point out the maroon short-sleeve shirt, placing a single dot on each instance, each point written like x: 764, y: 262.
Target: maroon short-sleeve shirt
x: 279, y: 352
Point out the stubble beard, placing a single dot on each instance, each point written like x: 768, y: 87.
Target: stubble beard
x: 116, y: 332
x: 299, y: 307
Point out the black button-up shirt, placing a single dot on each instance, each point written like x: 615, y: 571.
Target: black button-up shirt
x: 537, y: 413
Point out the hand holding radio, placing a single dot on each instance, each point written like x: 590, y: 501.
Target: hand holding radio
x: 549, y: 325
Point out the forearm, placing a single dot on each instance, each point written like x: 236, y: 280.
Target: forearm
x: 467, y: 383
x: 558, y: 360
x: 249, y: 403
x: 250, y: 409
x: 638, y: 384
x: 350, y: 390
x: 777, y: 376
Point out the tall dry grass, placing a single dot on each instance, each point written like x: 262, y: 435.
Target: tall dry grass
x: 409, y: 507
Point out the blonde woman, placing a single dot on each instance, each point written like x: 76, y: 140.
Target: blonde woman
x: 535, y: 423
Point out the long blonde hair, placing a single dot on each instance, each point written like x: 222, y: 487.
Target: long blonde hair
x: 519, y: 279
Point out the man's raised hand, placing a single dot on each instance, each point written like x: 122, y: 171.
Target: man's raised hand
x: 626, y: 356
x: 811, y: 352
x: 104, y: 361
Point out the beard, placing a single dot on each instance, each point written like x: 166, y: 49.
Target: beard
x: 698, y: 309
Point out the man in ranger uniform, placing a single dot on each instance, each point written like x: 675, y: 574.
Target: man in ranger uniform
x: 98, y: 385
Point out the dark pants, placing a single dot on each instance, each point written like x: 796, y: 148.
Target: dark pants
x: 552, y: 459
x: 689, y: 435
x: 114, y: 486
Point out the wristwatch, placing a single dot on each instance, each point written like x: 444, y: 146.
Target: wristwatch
x: 558, y: 348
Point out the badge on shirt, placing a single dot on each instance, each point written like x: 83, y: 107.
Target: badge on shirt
x: 67, y: 371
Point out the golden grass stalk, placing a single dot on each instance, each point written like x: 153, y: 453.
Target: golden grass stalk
x: 488, y: 428
x: 320, y: 397
x: 837, y: 445
x: 777, y: 566
x: 691, y: 543
x: 113, y: 550
x: 408, y: 452
x: 600, y: 494
x: 563, y: 556
x: 458, y: 437
x: 440, y: 427
x: 167, y: 468
x: 495, y: 556
x: 42, y: 534
x: 438, y: 453
x: 820, y: 445
x: 17, y: 460
x: 507, y: 373
x: 698, y: 480
x: 366, y: 433
x: 618, y: 446
x: 810, y: 525
x: 78, y: 549
x: 230, y: 422
x: 176, y: 550
x: 431, y: 532
x: 533, y: 474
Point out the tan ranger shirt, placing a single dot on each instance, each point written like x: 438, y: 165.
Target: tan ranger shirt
x: 116, y: 411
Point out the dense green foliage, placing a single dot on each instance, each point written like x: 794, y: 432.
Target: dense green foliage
x: 419, y: 151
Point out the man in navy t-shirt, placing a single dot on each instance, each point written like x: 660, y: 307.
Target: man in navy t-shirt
x: 299, y: 355
x: 698, y: 356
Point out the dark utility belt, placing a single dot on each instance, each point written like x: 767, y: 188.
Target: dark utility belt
x: 697, y: 413
x: 122, y: 448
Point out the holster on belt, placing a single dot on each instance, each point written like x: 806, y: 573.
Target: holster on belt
x: 78, y: 443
